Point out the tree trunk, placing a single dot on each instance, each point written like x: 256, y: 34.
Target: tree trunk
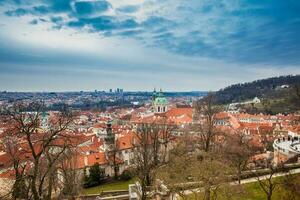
x: 50, y: 187
x: 207, y: 193
x: 207, y: 143
x: 116, y: 171
x: 239, y: 174
x: 33, y: 182
x: 269, y: 195
x: 144, y: 192
x: 148, y: 180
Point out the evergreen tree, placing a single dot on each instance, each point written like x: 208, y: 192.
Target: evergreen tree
x: 95, y: 177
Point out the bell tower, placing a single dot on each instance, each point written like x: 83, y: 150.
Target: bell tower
x: 159, y: 102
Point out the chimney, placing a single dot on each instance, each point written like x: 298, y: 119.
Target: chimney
x: 85, y: 161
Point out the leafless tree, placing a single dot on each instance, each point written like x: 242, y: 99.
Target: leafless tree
x: 43, y: 146
x: 290, y: 187
x: 143, y: 157
x: 206, y: 110
x: 70, y: 177
x: 267, y: 182
x: 160, y: 136
x: 191, y: 171
x: 297, y: 91
x: 175, y: 174
x: 150, y: 150
x: 19, y: 163
x: 238, y: 151
x: 295, y: 100
x: 213, y: 171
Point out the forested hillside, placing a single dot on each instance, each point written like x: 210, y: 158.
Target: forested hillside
x: 265, y: 88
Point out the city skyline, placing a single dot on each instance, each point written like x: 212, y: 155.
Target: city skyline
x: 176, y: 45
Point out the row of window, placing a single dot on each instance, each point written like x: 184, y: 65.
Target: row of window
x: 161, y: 109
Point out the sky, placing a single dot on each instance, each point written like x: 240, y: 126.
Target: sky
x: 176, y: 45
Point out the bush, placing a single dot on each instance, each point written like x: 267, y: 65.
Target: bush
x: 96, y: 176
x: 126, y: 175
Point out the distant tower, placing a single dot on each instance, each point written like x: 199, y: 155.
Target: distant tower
x: 154, y: 95
x: 159, y: 102
x: 110, y: 137
x: 45, y: 120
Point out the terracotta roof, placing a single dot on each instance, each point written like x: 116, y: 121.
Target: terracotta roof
x: 175, y: 112
x: 83, y: 161
x: 126, y: 141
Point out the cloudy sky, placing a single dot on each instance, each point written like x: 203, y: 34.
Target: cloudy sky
x: 60, y: 45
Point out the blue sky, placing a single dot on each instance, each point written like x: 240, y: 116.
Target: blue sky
x: 59, y: 45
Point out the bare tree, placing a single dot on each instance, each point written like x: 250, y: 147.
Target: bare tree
x: 68, y: 174
x: 294, y: 99
x: 213, y: 171
x: 294, y: 96
x: 41, y: 144
x: 143, y: 157
x: 191, y: 171
x: 176, y: 173
x: 290, y: 187
x: 160, y: 136
x: 206, y: 110
x: 150, y: 149
x: 267, y: 182
x: 238, y: 151
x: 17, y: 159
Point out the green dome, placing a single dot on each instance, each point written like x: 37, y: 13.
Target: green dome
x: 161, y: 101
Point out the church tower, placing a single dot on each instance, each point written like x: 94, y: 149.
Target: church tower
x: 109, y: 140
x: 159, y: 102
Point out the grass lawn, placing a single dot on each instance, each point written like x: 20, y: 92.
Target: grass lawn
x: 118, y: 185
x: 252, y: 191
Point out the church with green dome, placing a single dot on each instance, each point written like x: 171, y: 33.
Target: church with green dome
x: 159, y: 102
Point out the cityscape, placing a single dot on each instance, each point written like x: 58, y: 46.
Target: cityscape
x: 149, y: 100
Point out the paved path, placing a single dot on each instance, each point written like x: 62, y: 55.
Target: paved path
x: 244, y: 181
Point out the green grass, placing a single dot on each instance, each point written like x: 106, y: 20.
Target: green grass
x: 254, y: 192
x: 251, y: 191
x: 119, y: 185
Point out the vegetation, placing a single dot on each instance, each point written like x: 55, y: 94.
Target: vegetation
x: 198, y: 161
x: 150, y: 152
x: 117, y: 185
x: 95, y: 177
x: 238, y: 152
x: 279, y: 94
x: 206, y: 110
x: 253, y: 191
x: 127, y: 175
x: 44, y: 151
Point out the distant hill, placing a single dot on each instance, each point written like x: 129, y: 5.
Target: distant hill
x: 276, y: 87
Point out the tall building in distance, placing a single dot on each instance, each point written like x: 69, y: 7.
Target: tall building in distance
x: 119, y: 91
x: 159, y: 102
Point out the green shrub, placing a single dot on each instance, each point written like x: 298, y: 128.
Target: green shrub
x: 95, y: 177
x: 126, y: 175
